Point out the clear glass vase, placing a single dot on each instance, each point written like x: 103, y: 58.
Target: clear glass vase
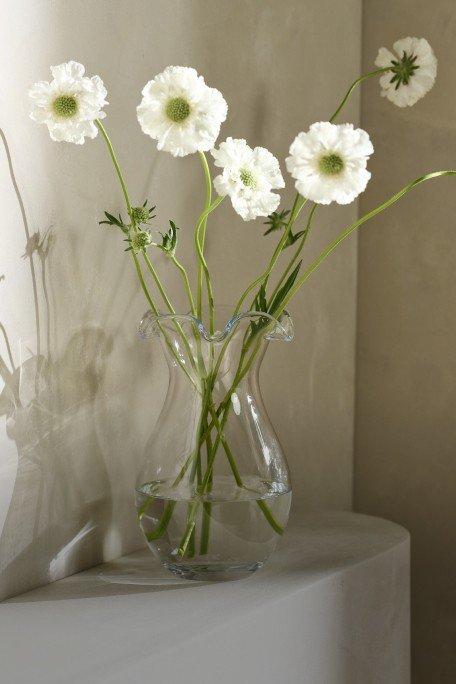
x: 214, y: 493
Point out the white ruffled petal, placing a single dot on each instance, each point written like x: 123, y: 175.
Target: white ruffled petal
x: 69, y: 81
x: 198, y: 131
x: 251, y: 197
x: 384, y: 58
x: 352, y: 146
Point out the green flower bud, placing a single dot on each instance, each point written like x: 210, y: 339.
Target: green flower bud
x: 140, y: 215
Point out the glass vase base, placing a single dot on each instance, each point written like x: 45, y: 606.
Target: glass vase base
x: 217, y: 572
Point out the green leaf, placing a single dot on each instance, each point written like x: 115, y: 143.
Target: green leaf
x: 113, y: 221
x: 282, y: 293
x: 169, y: 239
x: 292, y: 238
x: 260, y: 304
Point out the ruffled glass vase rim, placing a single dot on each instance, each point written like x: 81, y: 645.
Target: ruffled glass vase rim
x: 281, y: 328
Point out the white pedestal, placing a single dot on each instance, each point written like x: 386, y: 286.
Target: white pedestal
x: 332, y: 607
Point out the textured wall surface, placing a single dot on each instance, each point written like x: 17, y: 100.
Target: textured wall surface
x: 78, y: 392
x: 406, y: 367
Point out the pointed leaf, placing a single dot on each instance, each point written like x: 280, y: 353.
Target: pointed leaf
x: 281, y: 294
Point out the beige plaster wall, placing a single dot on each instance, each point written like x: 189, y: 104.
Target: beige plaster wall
x: 405, y: 453
x: 80, y: 393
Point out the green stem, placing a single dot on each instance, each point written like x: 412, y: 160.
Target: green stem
x: 297, y: 207
x: 354, y: 85
x: 354, y: 226
x: 143, y: 283
x: 186, y: 282
x: 158, y: 283
x: 164, y: 522
x: 200, y: 236
x: 171, y: 309
x: 298, y: 251
x: 134, y: 256
x: 269, y: 517
x: 202, y: 260
x: 103, y: 132
x: 207, y: 505
x: 183, y: 547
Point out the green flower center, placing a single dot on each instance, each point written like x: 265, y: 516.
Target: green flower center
x: 403, y: 69
x: 65, y: 106
x: 140, y: 214
x: 331, y: 164
x: 247, y: 178
x: 177, y: 109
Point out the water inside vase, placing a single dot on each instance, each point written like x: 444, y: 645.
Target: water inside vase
x: 225, y: 533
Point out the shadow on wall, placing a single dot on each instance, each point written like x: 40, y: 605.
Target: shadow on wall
x: 55, y: 498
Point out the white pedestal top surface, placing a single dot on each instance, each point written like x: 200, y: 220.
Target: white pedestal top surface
x: 130, y: 620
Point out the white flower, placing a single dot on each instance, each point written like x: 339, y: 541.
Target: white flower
x: 69, y: 104
x: 414, y: 68
x: 181, y: 112
x: 248, y: 177
x: 329, y: 162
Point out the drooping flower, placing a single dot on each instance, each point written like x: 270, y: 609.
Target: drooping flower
x: 329, y: 162
x: 248, y: 177
x: 69, y: 104
x: 181, y: 112
x: 413, y: 71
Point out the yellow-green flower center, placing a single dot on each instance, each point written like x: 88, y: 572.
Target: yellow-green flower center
x: 177, y: 109
x: 247, y: 178
x: 65, y: 106
x: 331, y: 164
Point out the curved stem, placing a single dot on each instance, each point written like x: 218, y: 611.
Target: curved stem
x: 200, y: 231
x: 171, y: 309
x: 103, y: 132
x: 186, y: 282
x: 354, y: 85
x: 158, y: 283
x: 202, y: 260
x: 143, y: 283
x: 134, y: 256
x: 299, y: 201
x: 354, y: 226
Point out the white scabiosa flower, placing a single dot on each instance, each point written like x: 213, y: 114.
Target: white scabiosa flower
x: 248, y: 177
x: 69, y: 104
x: 413, y: 70
x: 329, y: 162
x: 181, y: 112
